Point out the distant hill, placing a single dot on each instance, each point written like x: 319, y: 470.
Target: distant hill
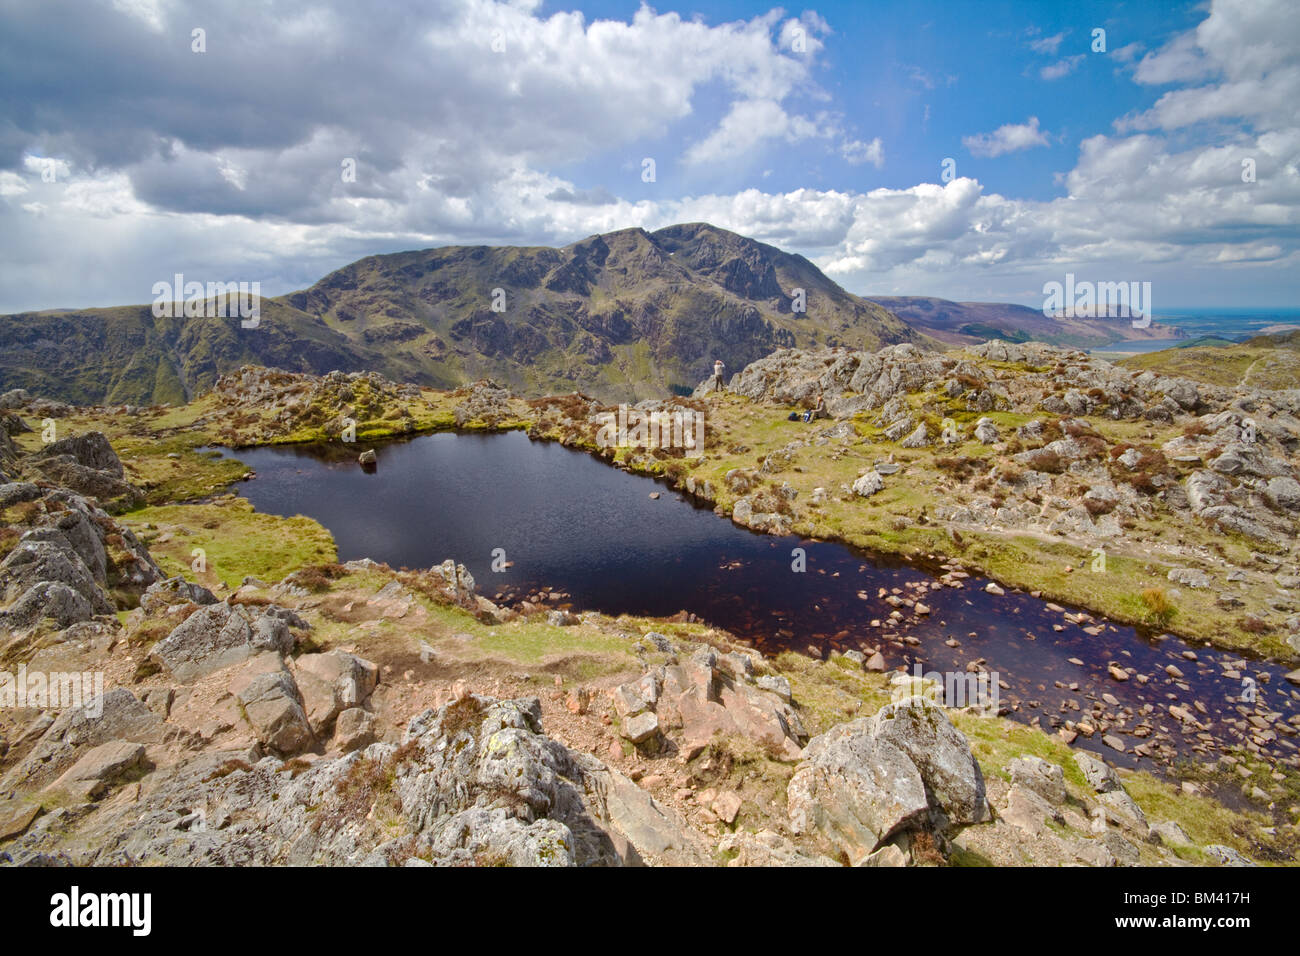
x: 1264, y: 361
x: 628, y: 314
x: 966, y: 323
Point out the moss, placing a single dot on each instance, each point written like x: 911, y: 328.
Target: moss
x: 237, y: 541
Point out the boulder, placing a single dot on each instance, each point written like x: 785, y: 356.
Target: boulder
x: 1170, y: 834
x: 986, y: 431
x: 219, y: 636
x: 1284, y: 492
x: 918, y: 439
x: 112, y: 716
x: 47, y: 600
x: 1190, y: 577
x: 1043, y: 778
x: 854, y: 792
x: 354, y: 730
x: 331, y: 683
x: 101, y: 766
x: 906, y: 768
x: 44, y: 555
x: 641, y: 727
x: 941, y: 752
x: 163, y: 594
x: 776, y: 684
x: 274, y: 710
x: 868, y: 484
x: 91, y: 450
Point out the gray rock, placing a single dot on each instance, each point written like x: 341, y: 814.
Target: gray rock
x: 641, y: 727
x: 776, y: 684
x: 91, y: 450
x: 219, y: 636
x: 115, y: 715
x: 1170, y: 834
x: 941, y: 752
x: 918, y: 439
x: 47, y: 600
x: 354, y: 730
x: 1226, y: 855
x: 1043, y: 778
x: 275, y: 712
x: 163, y: 594
x: 1285, y: 493
x: 331, y: 683
x: 1190, y: 577
x: 1099, y: 774
x: 103, y: 765
x: 905, y: 768
x: 986, y: 431
x: 46, y: 556
x: 1123, y: 809
x: 868, y: 484
x: 854, y: 791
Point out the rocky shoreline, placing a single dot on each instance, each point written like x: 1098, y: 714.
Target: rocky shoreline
x: 354, y: 714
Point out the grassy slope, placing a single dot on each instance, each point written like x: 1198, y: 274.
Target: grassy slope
x: 1262, y: 362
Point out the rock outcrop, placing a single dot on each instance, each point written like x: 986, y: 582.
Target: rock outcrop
x: 902, y: 772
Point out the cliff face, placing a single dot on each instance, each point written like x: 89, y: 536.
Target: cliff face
x: 626, y: 314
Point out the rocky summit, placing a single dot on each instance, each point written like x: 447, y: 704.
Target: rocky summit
x: 217, y: 688
x: 624, y: 312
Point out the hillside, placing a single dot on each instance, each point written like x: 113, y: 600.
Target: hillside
x: 626, y: 314
x: 269, y: 705
x: 968, y: 323
x: 1265, y: 361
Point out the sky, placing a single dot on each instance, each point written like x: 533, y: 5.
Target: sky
x: 970, y: 150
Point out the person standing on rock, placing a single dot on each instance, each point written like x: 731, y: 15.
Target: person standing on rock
x: 718, y: 371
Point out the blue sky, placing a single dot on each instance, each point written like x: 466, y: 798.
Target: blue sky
x: 126, y: 155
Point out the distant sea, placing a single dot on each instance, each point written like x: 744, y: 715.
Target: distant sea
x: 1196, y: 323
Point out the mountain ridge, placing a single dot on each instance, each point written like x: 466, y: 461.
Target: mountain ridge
x: 626, y: 314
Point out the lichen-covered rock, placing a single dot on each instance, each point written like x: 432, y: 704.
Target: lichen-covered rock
x: 904, y: 769
x: 218, y: 636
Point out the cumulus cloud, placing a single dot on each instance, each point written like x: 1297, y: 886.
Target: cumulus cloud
x: 1006, y: 139
x: 857, y: 152
x: 453, y: 142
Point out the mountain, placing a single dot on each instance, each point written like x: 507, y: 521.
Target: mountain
x: 627, y: 314
x: 968, y: 323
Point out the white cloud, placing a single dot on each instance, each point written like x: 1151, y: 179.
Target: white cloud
x: 1047, y: 44
x: 747, y: 126
x: 1180, y: 61
x: 435, y: 168
x: 1060, y: 68
x: 857, y: 152
x: 1006, y: 139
